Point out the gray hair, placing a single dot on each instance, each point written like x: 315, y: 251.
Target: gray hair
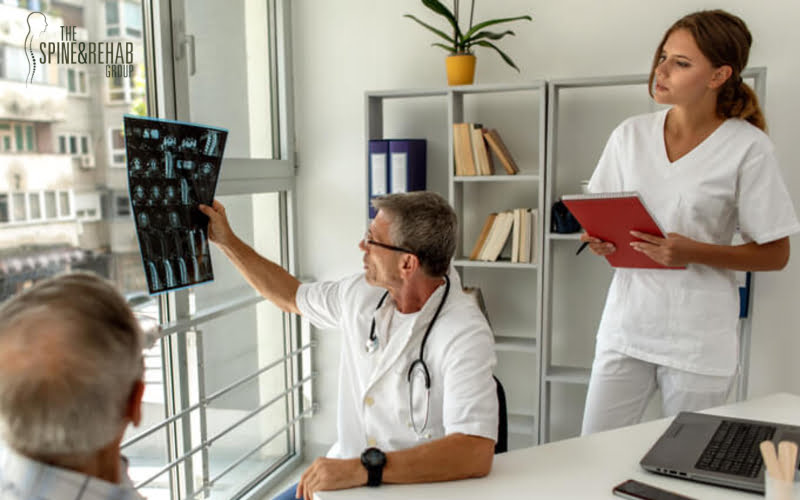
x: 422, y: 221
x: 70, y: 354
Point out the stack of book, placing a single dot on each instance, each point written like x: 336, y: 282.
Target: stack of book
x: 472, y: 148
x: 519, y: 224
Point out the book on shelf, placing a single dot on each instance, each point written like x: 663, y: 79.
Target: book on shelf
x: 518, y: 225
x: 480, y: 153
x: 487, y: 225
x: 462, y: 149
x: 498, y: 235
x: 499, y: 148
x: 611, y: 217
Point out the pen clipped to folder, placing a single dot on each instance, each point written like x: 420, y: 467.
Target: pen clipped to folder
x: 580, y: 248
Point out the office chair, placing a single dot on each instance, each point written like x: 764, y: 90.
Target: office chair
x: 501, y: 446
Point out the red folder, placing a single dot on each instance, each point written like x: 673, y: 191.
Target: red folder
x: 611, y: 217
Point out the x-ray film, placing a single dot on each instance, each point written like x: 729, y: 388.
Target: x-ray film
x: 172, y: 168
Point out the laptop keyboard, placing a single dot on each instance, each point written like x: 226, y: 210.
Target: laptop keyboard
x: 734, y: 449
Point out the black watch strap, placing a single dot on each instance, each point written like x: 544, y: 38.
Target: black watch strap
x: 374, y: 475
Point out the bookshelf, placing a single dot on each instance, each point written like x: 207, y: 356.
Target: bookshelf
x: 574, y: 287
x: 511, y: 290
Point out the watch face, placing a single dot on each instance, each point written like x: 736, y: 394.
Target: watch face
x: 373, y: 457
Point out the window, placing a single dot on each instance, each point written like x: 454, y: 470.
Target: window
x: 34, y: 206
x: 18, y: 204
x: 50, y: 211
x: 5, y: 138
x: 4, y: 207
x: 73, y: 145
x: 76, y: 81
x: 62, y: 144
x: 123, y: 206
x: 126, y: 88
x: 29, y: 141
x: 14, y: 65
x: 117, y: 147
x: 20, y: 143
x: 64, y: 209
x: 84, y: 145
x: 126, y: 21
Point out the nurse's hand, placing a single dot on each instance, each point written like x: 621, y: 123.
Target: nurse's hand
x: 673, y: 251
x: 219, y: 229
x: 598, y: 246
x: 331, y: 474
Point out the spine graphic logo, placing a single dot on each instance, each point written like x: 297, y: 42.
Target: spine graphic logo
x: 37, y: 23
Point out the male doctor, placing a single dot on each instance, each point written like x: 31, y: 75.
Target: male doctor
x: 405, y: 322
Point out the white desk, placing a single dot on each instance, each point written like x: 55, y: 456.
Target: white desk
x: 582, y: 468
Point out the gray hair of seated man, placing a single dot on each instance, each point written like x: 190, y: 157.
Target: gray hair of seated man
x: 424, y: 222
x: 70, y: 355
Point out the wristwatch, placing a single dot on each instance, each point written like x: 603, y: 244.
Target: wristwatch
x: 373, y: 460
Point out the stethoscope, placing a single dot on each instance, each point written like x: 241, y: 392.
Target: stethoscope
x: 418, y: 365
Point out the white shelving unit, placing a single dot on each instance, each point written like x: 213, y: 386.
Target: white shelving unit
x: 511, y: 290
x: 578, y: 312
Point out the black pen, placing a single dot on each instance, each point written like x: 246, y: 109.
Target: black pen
x: 580, y: 249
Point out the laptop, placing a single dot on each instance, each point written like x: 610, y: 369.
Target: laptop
x: 717, y: 450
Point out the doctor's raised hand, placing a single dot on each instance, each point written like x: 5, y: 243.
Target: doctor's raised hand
x: 219, y: 229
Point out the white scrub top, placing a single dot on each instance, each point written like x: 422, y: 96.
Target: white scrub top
x: 687, y: 319
x: 373, y: 390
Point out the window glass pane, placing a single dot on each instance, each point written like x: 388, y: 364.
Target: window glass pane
x: 33, y: 205
x: 133, y: 19
x: 29, y: 143
x: 50, y: 205
x: 82, y: 82
x: 84, y: 145
x: 63, y: 204
x: 20, y: 138
x: 73, y: 144
x: 123, y: 206
x: 71, y: 80
x: 240, y: 102
x: 3, y: 208
x: 112, y: 12
x: 19, y: 206
x: 62, y: 144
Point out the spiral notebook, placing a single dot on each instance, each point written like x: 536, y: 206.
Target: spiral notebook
x: 611, y: 217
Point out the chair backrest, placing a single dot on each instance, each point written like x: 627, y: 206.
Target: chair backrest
x: 501, y: 446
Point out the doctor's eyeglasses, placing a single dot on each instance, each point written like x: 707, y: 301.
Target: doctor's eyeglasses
x: 369, y: 241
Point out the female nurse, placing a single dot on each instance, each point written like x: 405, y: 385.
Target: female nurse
x: 706, y: 169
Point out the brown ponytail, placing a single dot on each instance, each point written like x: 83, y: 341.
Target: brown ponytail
x: 725, y: 40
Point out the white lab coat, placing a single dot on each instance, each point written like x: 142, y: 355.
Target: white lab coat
x: 687, y: 319
x: 373, y: 395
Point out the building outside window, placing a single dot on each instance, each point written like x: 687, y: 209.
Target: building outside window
x: 123, y: 18
x: 18, y: 203
x: 34, y: 206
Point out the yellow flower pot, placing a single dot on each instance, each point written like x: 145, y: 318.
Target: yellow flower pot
x: 460, y: 69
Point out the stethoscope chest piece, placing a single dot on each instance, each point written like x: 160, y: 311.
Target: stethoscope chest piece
x: 371, y: 345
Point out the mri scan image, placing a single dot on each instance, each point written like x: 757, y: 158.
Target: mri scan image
x: 172, y: 168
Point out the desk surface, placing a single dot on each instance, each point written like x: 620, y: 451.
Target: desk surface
x: 582, y: 468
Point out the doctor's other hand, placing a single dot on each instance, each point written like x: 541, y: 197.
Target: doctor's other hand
x: 219, y: 229
x: 673, y: 251
x: 598, y: 246
x: 327, y: 474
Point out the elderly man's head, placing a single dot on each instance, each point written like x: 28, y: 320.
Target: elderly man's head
x: 70, y: 368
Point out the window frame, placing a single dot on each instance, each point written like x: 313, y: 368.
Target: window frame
x: 165, y: 41
x: 112, y: 151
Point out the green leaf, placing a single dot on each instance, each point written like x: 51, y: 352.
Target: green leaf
x: 442, y: 10
x: 438, y: 32
x: 484, y: 24
x: 502, y: 54
x: 448, y: 48
x: 487, y: 34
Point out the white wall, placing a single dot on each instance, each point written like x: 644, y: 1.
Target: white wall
x: 346, y: 47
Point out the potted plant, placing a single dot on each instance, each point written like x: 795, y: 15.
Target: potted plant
x: 461, y: 61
